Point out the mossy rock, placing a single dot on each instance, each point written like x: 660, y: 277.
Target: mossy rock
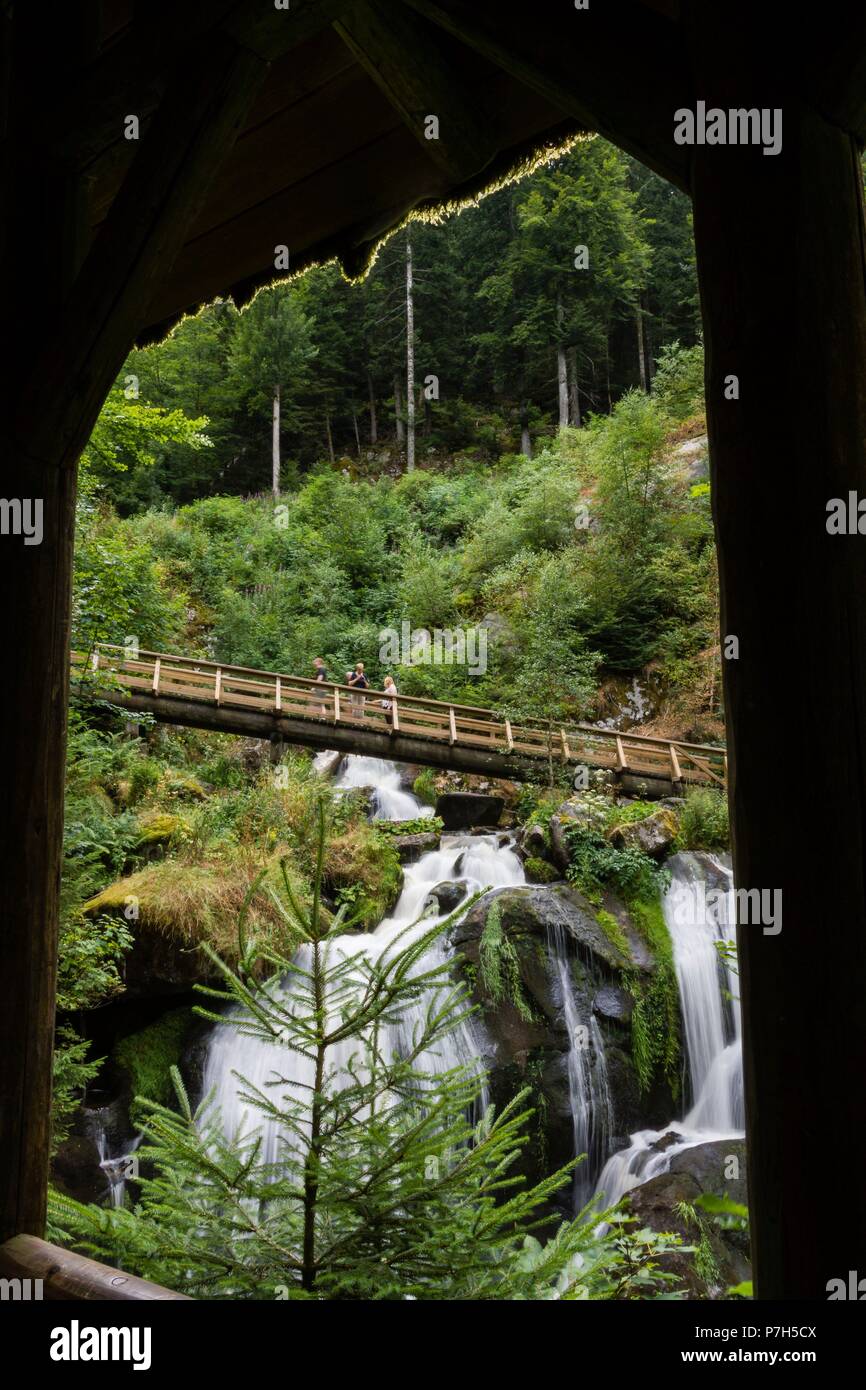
x: 146, y: 1056
x: 653, y: 834
x: 539, y: 871
x: 162, y: 828
x: 173, y: 908
x: 182, y: 787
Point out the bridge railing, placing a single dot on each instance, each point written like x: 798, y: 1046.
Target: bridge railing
x: 165, y: 677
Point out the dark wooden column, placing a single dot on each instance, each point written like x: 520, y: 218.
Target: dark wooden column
x: 67, y: 324
x: 780, y: 249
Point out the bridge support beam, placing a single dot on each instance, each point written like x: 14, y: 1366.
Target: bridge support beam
x: 780, y: 250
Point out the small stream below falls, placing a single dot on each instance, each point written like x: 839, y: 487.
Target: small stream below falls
x: 473, y: 863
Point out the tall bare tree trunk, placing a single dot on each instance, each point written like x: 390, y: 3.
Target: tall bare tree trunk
x: 399, y: 427
x: 561, y: 369
x: 410, y: 361
x: 573, y: 389
x: 525, y: 439
x: 275, y: 453
x: 641, y: 350
x: 357, y: 433
x: 374, y: 426
x: 329, y: 435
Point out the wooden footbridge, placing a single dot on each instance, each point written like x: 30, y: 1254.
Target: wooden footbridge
x: 325, y: 715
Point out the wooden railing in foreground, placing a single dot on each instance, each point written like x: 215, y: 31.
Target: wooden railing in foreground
x: 164, y: 678
x: 41, y: 1270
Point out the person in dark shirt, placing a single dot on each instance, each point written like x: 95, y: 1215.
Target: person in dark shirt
x: 358, y: 681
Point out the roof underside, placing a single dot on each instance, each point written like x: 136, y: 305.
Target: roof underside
x: 332, y: 156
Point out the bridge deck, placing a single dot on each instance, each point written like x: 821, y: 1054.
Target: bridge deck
x: 237, y: 699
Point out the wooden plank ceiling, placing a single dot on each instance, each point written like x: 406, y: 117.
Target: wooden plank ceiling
x: 333, y: 154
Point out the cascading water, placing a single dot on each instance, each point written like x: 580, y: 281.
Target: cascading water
x: 474, y: 861
x: 391, y: 802
x: 711, y: 1026
x: 118, y: 1168
x: 589, y: 1091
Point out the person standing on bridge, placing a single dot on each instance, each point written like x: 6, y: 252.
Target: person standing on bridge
x: 358, y: 681
x: 389, y: 689
x: 320, y: 676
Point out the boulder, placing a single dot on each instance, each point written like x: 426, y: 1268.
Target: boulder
x: 533, y: 842
x: 540, y: 871
x: 613, y: 1002
x: 463, y: 810
x: 410, y: 848
x: 653, y: 835
x: 75, y: 1170
x: 447, y: 897
x: 703, y: 1169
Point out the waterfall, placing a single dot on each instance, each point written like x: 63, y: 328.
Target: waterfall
x: 588, y: 1088
x: 118, y: 1168
x: 474, y: 861
x: 391, y: 802
x: 711, y: 1029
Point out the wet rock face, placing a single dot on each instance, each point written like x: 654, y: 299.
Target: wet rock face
x: 524, y: 1033
x: 447, y: 897
x: 719, y: 1169
x: 463, y: 810
x: 411, y: 847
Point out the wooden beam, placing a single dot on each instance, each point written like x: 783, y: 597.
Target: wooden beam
x: 509, y: 737
x: 336, y: 705
x: 617, y: 69
x: 452, y: 726
x: 410, y: 62
x: 85, y: 118
x: 73, y: 1278
x: 216, y: 685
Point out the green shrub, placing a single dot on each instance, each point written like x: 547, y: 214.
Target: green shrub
x: 424, y: 787
x: 596, y: 865
x: 704, y: 820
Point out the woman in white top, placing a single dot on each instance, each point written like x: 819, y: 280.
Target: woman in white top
x: 389, y: 688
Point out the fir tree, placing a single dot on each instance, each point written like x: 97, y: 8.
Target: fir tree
x: 379, y: 1185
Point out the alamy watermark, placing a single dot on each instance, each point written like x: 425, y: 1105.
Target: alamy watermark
x: 736, y: 126
x: 693, y: 904
x: 22, y: 516
x: 459, y: 646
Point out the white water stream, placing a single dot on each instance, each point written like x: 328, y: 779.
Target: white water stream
x: 711, y: 1027
x: 475, y: 861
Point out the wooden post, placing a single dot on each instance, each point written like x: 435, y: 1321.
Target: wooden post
x: 395, y: 718
x: 452, y: 726
x: 336, y: 705
x: 780, y: 253
x: 676, y: 773
x: 156, y: 669
x: 278, y: 695
x: 217, y: 682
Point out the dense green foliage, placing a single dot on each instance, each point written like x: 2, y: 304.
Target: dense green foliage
x: 497, y: 295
